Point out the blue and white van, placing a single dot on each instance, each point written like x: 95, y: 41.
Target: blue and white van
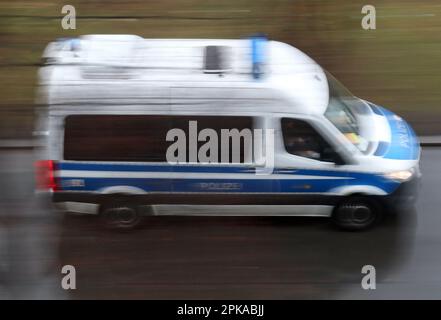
x: 108, y: 102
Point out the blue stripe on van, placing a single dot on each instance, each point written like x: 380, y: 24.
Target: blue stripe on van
x: 404, y: 144
x: 382, y: 148
x: 253, y: 184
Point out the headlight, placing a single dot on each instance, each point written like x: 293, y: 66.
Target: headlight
x: 401, y: 176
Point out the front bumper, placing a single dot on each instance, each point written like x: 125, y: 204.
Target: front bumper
x: 406, y: 195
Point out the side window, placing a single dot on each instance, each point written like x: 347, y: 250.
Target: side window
x: 116, y: 137
x: 143, y: 137
x: 302, y: 140
x: 234, y: 136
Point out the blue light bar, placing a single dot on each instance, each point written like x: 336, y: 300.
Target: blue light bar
x: 74, y: 43
x: 258, y: 55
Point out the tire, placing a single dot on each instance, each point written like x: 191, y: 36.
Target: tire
x: 120, y: 215
x: 357, y: 213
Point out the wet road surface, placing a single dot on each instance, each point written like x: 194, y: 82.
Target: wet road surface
x: 214, y: 257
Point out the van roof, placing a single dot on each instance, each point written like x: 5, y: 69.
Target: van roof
x: 131, y: 69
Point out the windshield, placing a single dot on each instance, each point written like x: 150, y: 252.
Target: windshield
x: 343, y: 111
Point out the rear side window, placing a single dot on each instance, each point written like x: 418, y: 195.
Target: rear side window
x: 138, y: 137
x: 301, y: 139
x: 116, y: 137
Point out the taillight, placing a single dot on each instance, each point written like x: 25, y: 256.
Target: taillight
x: 44, y: 175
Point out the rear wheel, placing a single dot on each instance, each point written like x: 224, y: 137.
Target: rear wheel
x: 357, y: 213
x: 121, y: 215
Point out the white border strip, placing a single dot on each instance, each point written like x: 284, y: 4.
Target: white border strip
x: 188, y: 175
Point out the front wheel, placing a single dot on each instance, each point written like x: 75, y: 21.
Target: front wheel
x: 357, y: 213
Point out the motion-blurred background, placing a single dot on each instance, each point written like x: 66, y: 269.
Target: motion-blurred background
x: 397, y: 65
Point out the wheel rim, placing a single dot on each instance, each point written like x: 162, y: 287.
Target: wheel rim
x: 121, y: 216
x: 357, y: 214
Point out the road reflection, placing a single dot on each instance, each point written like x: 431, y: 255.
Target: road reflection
x: 230, y: 257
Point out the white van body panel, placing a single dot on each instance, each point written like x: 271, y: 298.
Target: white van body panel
x: 129, y: 75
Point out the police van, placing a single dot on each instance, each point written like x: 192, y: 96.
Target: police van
x: 108, y: 102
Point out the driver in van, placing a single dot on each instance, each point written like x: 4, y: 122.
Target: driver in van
x: 303, y: 146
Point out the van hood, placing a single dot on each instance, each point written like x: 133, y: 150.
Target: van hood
x: 402, y: 143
